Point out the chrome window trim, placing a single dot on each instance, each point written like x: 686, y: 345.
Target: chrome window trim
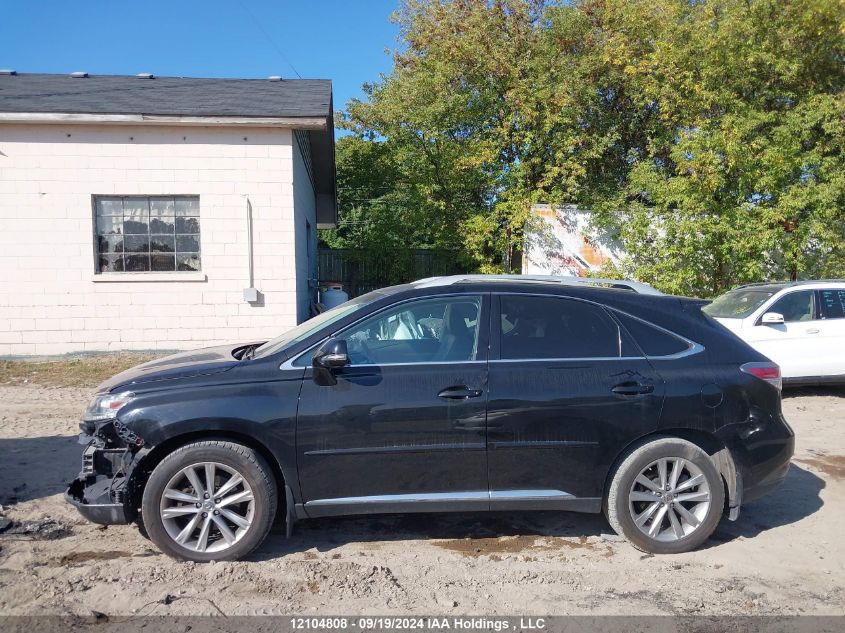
x: 694, y: 348
x: 288, y: 364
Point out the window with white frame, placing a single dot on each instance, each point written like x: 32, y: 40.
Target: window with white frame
x: 147, y: 233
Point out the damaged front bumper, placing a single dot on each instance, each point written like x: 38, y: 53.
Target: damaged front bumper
x: 96, y: 503
x: 102, y: 491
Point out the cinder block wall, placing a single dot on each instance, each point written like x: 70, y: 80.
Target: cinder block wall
x: 51, y: 300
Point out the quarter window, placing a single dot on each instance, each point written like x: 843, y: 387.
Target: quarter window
x: 547, y: 327
x: 651, y: 340
x: 796, y: 306
x: 428, y: 330
x: 147, y: 233
x: 833, y: 304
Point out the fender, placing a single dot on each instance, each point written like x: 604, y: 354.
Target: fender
x: 242, y: 402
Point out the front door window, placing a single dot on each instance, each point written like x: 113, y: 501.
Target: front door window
x: 425, y: 331
x: 796, y: 306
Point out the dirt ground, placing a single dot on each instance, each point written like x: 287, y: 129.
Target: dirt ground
x: 785, y: 555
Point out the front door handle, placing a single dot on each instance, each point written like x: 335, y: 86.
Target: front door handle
x: 813, y: 330
x: 631, y: 388
x: 459, y: 392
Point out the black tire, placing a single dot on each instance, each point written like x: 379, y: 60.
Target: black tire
x: 241, y: 459
x: 142, y: 529
x: 619, y: 508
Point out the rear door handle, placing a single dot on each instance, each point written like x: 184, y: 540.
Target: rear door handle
x: 459, y: 392
x: 632, y: 388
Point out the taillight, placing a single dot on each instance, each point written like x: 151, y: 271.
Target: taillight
x: 769, y: 372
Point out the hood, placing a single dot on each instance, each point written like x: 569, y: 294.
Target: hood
x: 209, y: 360
x: 731, y: 324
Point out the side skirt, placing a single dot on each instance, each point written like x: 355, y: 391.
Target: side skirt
x: 542, y: 500
x: 465, y: 501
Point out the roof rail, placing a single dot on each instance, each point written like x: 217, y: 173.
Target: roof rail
x: 787, y: 284
x: 624, y: 284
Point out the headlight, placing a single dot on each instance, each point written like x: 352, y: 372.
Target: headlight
x: 105, y: 406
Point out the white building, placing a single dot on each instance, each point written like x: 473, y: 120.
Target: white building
x: 125, y: 206
x: 557, y: 242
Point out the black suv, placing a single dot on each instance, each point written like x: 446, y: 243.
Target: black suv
x: 450, y: 394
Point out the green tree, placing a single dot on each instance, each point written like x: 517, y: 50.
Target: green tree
x: 706, y: 136
x: 739, y: 176
x: 449, y: 114
x: 379, y: 214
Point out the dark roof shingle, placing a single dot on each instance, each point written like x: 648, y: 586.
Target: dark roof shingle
x: 165, y: 96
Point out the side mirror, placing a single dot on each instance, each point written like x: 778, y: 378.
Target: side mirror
x: 332, y: 354
x: 771, y: 318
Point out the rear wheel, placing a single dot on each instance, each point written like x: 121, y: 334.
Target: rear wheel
x: 666, y: 497
x: 210, y: 500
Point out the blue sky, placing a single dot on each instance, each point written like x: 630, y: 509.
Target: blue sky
x: 322, y: 39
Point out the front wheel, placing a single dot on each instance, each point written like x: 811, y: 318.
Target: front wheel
x: 666, y: 497
x: 210, y: 500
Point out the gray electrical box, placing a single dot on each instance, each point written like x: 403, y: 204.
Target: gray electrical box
x: 251, y: 295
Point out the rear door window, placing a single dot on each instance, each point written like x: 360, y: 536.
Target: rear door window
x: 833, y: 303
x: 534, y: 327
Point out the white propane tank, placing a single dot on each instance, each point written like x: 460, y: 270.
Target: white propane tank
x: 333, y: 296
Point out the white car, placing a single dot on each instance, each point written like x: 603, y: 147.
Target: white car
x: 799, y: 325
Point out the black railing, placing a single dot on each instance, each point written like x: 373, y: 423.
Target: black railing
x: 360, y: 271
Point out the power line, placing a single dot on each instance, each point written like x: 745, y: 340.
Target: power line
x: 268, y: 38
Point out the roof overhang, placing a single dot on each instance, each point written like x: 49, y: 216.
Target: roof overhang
x: 303, y: 123
x: 325, y: 178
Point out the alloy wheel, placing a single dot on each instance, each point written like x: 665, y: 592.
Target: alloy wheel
x: 207, y: 507
x: 669, y: 499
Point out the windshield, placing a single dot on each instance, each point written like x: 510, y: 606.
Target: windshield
x: 739, y: 303
x: 309, y: 327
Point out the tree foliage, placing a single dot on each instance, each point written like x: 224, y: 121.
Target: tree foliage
x: 384, y: 216
x: 706, y: 136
